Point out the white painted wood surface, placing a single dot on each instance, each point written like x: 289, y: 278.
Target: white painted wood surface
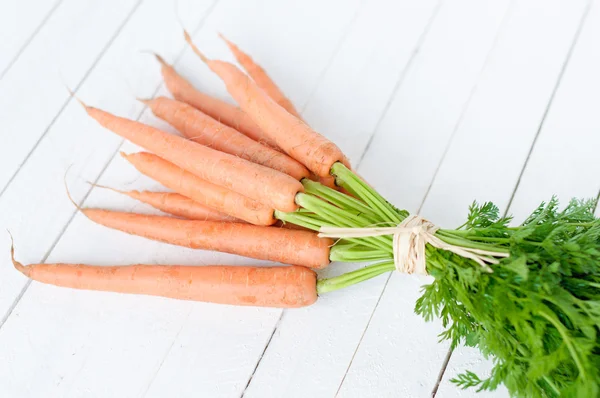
x: 438, y: 103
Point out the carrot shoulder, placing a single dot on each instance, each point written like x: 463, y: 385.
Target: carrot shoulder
x: 264, y: 243
x: 262, y: 79
x: 283, y: 287
x: 205, y: 130
x: 253, y: 180
x: 203, y: 192
x: 230, y: 115
x: 290, y: 134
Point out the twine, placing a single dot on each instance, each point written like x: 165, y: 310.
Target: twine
x: 410, y: 238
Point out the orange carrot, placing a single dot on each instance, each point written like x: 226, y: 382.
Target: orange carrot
x: 205, y: 193
x: 262, y: 79
x: 264, y: 243
x: 176, y: 204
x: 253, y: 180
x: 205, y: 130
x: 283, y: 287
x: 230, y: 115
x: 291, y: 134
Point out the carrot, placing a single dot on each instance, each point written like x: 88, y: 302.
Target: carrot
x: 291, y: 134
x: 262, y: 79
x: 287, y: 246
x: 230, y: 115
x: 175, y: 204
x: 205, y: 193
x: 255, y: 181
x: 205, y: 130
x: 282, y: 287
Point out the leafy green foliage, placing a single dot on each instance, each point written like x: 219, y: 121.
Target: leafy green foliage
x: 537, y: 315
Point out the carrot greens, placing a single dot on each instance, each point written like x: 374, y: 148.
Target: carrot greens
x: 536, y: 313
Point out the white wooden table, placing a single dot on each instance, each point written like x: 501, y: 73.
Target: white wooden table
x: 436, y: 103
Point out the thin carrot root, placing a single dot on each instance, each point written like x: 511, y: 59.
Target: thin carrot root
x: 160, y: 59
x: 73, y: 95
x: 18, y: 266
x: 67, y: 189
x: 196, y: 50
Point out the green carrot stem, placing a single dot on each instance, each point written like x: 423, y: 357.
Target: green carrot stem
x: 352, y: 253
x: 355, y: 184
x: 470, y: 244
x: 354, y: 277
x: 298, y: 219
x: 345, y: 202
x: 339, y: 218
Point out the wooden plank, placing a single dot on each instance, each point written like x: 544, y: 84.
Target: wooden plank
x: 20, y: 21
x: 556, y: 165
x: 157, y: 330
x: 32, y: 93
x: 317, y: 343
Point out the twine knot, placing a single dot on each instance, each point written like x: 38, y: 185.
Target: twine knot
x: 409, y: 240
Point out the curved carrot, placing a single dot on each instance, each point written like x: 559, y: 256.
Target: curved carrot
x: 264, y: 243
x: 291, y: 134
x: 262, y: 79
x: 253, y: 180
x: 230, y: 115
x: 176, y: 204
x: 205, y: 193
x: 283, y: 287
x: 205, y: 130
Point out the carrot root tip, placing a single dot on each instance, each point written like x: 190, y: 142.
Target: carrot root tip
x: 73, y: 95
x: 160, y: 59
x: 222, y: 36
x: 189, y: 41
x: 93, y: 184
x: 67, y: 190
x: 145, y: 101
x: 18, y: 266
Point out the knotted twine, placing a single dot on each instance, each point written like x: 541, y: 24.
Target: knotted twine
x: 408, y: 245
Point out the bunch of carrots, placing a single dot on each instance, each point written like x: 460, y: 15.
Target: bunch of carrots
x: 229, y: 172
x: 257, y: 181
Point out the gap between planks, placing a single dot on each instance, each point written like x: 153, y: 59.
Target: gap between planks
x: 30, y: 38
